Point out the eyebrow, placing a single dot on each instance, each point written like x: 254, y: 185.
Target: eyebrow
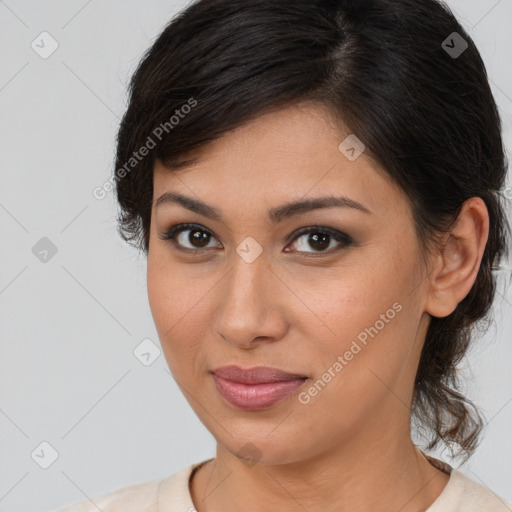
x: 275, y: 215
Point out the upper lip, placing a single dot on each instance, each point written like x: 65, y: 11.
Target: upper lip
x: 256, y: 375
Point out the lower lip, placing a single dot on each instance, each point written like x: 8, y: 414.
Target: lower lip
x: 255, y: 396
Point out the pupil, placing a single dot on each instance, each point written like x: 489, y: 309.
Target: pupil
x: 200, y: 237
x: 316, y: 241
x: 323, y: 243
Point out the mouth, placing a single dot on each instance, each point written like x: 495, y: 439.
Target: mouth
x: 255, y: 388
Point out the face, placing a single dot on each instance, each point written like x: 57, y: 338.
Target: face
x: 334, y: 294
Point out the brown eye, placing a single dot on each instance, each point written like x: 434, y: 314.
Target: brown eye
x: 201, y: 238
x: 320, y: 239
x: 196, y: 238
x: 188, y: 237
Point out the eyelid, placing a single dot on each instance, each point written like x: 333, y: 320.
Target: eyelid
x: 342, y: 238
x: 170, y: 234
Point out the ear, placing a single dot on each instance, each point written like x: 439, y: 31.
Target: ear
x: 457, y: 263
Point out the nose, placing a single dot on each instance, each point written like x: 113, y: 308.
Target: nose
x: 250, y: 305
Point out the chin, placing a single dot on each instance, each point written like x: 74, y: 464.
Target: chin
x: 258, y: 447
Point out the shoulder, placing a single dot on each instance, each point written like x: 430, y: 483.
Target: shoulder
x: 166, y: 495
x: 478, y: 498
x: 143, y: 497
x: 134, y: 498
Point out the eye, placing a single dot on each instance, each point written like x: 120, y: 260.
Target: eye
x: 197, y: 237
x: 320, y: 238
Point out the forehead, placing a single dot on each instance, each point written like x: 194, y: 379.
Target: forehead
x: 288, y: 153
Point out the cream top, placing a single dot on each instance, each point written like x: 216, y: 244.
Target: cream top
x: 461, y: 494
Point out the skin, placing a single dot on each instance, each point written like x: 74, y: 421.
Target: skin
x: 349, y: 448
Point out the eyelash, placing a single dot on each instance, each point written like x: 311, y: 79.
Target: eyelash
x: 345, y: 240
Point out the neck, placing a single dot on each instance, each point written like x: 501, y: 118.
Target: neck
x: 355, y: 476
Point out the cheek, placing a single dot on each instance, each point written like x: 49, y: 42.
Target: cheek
x: 370, y: 307
x: 345, y: 300
x: 164, y: 301
x: 160, y: 296
x: 179, y: 310
x: 363, y: 314
x: 171, y: 294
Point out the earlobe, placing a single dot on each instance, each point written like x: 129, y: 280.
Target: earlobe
x: 458, y: 259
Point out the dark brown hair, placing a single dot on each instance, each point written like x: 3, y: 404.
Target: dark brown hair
x: 395, y: 74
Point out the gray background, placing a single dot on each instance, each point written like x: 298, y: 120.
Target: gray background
x: 69, y: 325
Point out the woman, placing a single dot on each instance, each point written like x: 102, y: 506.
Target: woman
x: 316, y: 185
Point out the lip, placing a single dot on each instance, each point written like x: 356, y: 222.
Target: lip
x: 255, y: 388
x: 255, y: 375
